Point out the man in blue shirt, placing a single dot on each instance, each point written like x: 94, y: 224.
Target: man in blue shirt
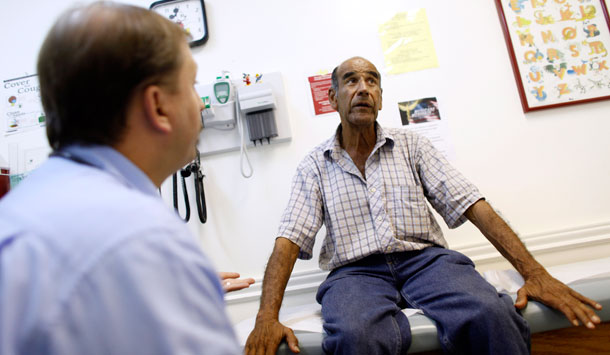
x: 91, y: 259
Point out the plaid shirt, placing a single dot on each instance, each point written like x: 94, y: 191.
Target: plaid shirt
x: 385, y: 213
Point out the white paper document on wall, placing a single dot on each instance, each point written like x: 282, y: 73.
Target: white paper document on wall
x: 22, y: 108
x: 423, y: 116
x: 407, y: 43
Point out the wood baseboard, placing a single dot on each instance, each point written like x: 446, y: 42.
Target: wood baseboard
x: 566, y: 341
x: 573, y: 341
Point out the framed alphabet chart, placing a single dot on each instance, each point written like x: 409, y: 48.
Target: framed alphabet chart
x: 558, y: 50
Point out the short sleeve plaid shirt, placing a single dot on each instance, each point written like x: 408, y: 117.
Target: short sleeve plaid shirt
x: 385, y: 213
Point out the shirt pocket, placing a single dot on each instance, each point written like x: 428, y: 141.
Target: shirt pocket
x: 408, y: 212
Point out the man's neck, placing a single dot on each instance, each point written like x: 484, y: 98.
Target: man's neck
x: 358, y: 143
x: 358, y: 140
x: 153, y: 165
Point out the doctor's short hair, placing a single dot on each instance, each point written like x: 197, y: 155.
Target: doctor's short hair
x: 92, y: 62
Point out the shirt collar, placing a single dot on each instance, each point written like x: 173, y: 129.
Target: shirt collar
x: 114, y: 163
x: 333, y: 148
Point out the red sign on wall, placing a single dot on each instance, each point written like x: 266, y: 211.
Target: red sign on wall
x: 319, y: 93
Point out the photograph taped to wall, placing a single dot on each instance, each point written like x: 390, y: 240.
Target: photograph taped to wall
x: 423, y: 117
x: 558, y: 50
x: 22, y: 105
x: 418, y: 111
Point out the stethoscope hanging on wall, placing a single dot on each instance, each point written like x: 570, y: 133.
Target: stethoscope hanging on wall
x: 193, y: 168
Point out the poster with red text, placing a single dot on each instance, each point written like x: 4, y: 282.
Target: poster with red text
x: 319, y: 85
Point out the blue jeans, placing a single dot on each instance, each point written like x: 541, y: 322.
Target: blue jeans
x: 362, y: 302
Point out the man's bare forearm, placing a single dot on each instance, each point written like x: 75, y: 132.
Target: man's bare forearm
x: 276, y: 277
x: 539, y: 284
x: 503, y: 238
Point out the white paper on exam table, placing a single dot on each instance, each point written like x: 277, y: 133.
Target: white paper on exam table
x: 511, y: 281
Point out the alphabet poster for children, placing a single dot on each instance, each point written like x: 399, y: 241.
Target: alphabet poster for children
x: 559, y: 49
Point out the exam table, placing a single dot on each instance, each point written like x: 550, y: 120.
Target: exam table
x: 592, y: 279
x: 423, y: 330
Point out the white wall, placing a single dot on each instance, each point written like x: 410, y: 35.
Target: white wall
x: 546, y: 171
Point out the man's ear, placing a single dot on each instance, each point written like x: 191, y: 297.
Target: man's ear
x: 332, y: 97
x: 381, y: 99
x: 155, y: 103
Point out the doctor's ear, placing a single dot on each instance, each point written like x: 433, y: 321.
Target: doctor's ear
x: 155, y: 104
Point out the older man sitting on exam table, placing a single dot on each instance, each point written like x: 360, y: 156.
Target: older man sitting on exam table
x: 369, y: 186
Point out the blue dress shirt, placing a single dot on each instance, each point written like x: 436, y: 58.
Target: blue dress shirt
x: 93, y: 262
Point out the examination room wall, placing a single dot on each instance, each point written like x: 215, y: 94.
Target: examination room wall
x: 546, y: 172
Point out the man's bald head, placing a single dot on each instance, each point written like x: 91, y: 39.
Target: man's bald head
x: 356, y: 92
x: 335, y: 79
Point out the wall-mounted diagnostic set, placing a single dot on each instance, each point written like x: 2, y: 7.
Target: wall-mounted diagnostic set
x: 239, y: 114
x: 258, y: 104
x: 219, y: 100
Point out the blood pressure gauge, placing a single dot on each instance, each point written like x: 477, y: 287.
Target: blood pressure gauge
x: 189, y: 14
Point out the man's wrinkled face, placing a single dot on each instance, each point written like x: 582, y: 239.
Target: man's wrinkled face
x: 358, y: 96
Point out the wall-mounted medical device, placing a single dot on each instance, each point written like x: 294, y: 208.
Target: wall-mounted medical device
x: 260, y: 113
x: 218, y: 140
x: 219, y: 100
x: 193, y: 168
x: 257, y: 103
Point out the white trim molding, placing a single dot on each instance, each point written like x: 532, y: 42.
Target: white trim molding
x: 595, y: 236
x: 568, y: 239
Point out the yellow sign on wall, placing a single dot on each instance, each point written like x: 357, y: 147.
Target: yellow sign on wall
x: 406, y: 42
